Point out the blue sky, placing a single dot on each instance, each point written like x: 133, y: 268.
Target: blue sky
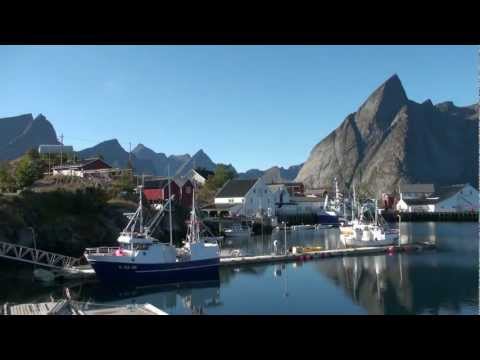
x: 252, y: 106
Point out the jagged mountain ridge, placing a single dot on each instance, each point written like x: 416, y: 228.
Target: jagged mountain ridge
x: 392, y: 139
x: 18, y: 134
x: 273, y: 174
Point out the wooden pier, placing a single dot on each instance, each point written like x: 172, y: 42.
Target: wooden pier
x: 86, y: 271
x: 322, y: 254
x: 65, y: 307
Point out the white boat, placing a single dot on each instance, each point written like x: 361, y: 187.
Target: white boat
x: 372, y: 235
x: 303, y: 227
x: 238, y: 230
x: 141, y: 258
x: 324, y: 226
x: 358, y: 233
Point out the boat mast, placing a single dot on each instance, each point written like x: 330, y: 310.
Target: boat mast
x: 193, y: 222
x: 353, y: 203
x: 170, y: 206
x: 141, y: 204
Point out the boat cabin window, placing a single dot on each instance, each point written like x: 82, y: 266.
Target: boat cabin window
x: 141, y: 247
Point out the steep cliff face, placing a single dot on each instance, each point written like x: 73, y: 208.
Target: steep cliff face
x: 391, y: 139
x: 21, y: 133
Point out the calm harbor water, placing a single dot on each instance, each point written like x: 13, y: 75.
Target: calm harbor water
x: 442, y: 281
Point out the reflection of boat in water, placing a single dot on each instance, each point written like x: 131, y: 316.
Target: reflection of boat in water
x: 194, y: 296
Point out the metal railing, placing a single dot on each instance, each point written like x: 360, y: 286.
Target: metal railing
x: 104, y: 250
x: 35, y: 256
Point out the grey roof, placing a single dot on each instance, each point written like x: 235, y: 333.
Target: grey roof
x: 445, y: 192
x: 79, y: 164
x: 236, y: 188
x: 219, y: 206
x: 417, y: 188
x: 55, y: 149
x: 442, y: 193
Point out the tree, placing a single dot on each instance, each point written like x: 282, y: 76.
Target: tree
x: 222, y: 174
x: 124, y: 183
x: 29, y: 169
x: 7, y: 181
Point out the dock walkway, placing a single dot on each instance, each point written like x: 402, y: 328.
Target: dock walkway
x: 86, y: 271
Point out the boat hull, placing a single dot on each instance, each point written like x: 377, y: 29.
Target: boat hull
x: 141, y: 274
x: 326, y: 219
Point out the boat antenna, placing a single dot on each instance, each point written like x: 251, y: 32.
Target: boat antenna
x: 170, y: 205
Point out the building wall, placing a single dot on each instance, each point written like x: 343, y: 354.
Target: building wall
x: 259, y: 197
x: 187, y: 194
x: 68, y: 172
x: 280, y: 195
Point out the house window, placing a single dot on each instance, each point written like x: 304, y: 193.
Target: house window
x: 188, y: 190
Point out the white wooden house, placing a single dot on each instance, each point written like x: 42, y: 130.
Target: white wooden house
x: 454, y: 198
x: 247, y: 197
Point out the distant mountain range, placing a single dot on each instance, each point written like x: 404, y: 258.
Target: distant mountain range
x: 392, y: 140
x: 388, y: 140
x: 20, y: 133
x: 273, y: 174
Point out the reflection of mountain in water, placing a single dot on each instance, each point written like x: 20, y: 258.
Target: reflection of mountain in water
x: 404, y: 283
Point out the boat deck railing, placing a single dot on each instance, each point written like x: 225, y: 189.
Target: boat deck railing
x: 103, y: 250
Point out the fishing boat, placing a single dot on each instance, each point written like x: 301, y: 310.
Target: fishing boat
x: 360, y: 233
x: 238, y: 230
x: 141, y: 258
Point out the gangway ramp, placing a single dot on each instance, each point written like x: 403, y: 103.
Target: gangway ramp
x: 38, y: 257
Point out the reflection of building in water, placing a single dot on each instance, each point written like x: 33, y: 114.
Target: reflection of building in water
x: 374, y: 282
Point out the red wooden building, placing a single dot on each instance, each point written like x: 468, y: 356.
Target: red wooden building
x: 186, y: 191
x: 156, y: 190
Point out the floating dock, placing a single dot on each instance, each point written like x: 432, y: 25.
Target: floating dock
x: 74, y: 308
x: 87, y: 272
x: 322, y: 254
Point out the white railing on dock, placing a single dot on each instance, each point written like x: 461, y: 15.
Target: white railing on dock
x: 35, y: 256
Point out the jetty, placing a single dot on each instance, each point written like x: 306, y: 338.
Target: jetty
x: 67, y: 307
x: 322, y: 254
x: 237, y: 259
